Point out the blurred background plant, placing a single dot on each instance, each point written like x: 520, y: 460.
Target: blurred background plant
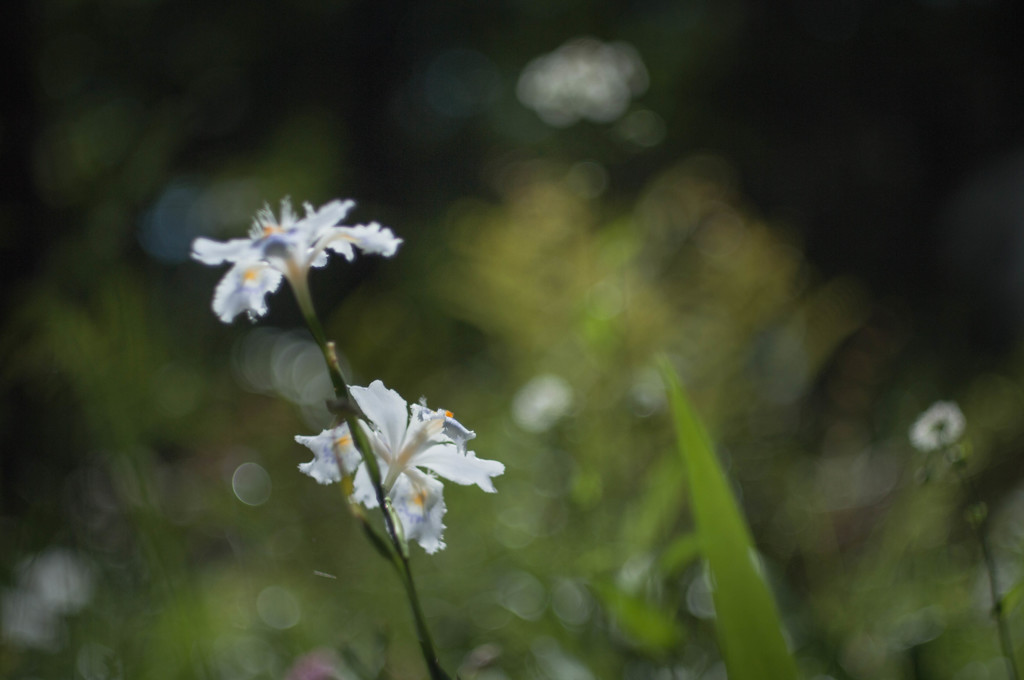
x: 813, y: 213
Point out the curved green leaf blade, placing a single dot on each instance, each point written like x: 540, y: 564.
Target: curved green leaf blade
x: 747, y: 621
x: 680, y: 553
x: 649, y: 627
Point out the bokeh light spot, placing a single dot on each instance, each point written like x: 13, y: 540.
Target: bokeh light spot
x: 555, y: 663
x: 699, y: 600
x: 289, y: 364
x: 251, y: 484
x: 523, y: 595
x: 571, y: 603
x: 278, y: 608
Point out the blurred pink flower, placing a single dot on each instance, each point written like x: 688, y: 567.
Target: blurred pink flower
x: 320, y: 664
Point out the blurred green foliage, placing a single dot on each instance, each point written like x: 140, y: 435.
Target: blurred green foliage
x: 542, y: 275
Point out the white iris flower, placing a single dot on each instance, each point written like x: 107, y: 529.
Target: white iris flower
x: 414, y: 445
x: 287, y: 247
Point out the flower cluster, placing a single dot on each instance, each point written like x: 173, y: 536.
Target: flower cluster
x: 410, y: 441
x: 285, y: 247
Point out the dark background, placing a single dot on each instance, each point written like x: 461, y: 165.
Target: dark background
x: 887, y: 134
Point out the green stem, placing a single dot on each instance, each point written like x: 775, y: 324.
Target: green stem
x: 426, y: 643
x: 301, y: 289
x: 977, y: 522
x: 399, y: 557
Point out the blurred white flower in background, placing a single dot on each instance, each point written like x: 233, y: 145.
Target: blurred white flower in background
x: 940, y: 426
x: 584, y: 78
x: 542, y: 402
x: 50, y: 585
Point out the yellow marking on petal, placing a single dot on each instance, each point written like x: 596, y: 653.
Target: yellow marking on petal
x: 269, y: 229
x: 250, y: 275
x: 449, y: 414
x: 344, y: 440
x: 420, y: 499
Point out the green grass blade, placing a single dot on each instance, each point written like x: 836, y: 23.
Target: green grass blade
x: 747, y: 622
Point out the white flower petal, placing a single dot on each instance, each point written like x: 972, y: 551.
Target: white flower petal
x: 453, y: 430
x: 327, y: 448
x: 375, y: 239
x: 244, y: 289
x: 264, y: 218
x: 343, y: 248
x: 370, y: 238
x: 458, y: 433
x: 209, y: 251
x: 316, y: 222
x: 323, y: 470
x: 320, y: 260
x: 364, y: 492
x: 419, y: 504
x: 287, y: 214
x: 386, y: 409
x: 460, y: 468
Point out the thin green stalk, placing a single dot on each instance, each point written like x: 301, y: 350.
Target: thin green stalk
x: 977, y: 514
x: 401, y: 560
x: 301, y: 289
x: 426, y: 643
x: 399, y: 556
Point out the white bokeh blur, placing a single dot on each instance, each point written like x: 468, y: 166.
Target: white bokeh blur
x: 583, y: 79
